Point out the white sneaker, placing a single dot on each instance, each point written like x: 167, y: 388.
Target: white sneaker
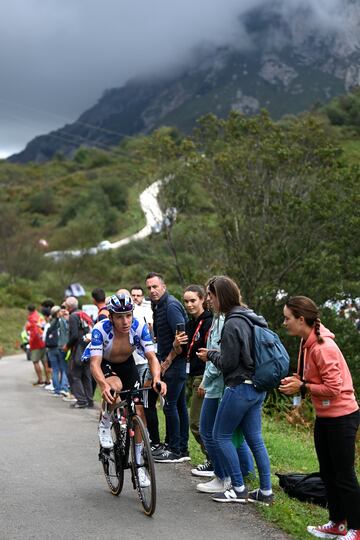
x: 214, y: 485
x: 70, y: 399
x: 49, y: 387
x: 105, y: 438
x: 144, y: 481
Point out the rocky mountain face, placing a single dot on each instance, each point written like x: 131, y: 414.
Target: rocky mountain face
x: 290, y: 61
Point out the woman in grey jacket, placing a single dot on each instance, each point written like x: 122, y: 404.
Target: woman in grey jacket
x: 213, y: 385
x: 241, y: 404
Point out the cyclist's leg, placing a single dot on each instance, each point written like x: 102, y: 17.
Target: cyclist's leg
x: 104, y: 427
x: 115, y: 384
x: 140, y: 412
x: 128, y: 376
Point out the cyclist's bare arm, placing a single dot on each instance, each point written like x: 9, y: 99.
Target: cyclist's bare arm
x: 105, y: 387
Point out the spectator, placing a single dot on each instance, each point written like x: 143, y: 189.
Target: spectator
x: 168, y: 312
x: 79, y: 371
x: 35, y: 328
x: 194, y: 337
x: 241, y: 404
x: 99, y: 299
x: 213, y: 384
x: 56, y: 354
x: 323, y: 372
x: 24, y: 338
x: 63, y: 340
x: 98, y: 296
x: 142, y: 306
x: 46, y: 313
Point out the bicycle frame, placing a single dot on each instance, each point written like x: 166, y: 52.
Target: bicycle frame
x: 126, y: 410
x: 125, y: 421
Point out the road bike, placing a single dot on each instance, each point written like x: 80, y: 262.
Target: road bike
x: 125, y: 421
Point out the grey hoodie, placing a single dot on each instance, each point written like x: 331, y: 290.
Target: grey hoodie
x: 235, y: 356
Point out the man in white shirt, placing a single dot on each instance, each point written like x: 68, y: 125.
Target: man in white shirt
x: 143, y: 309
x: 143, y: 312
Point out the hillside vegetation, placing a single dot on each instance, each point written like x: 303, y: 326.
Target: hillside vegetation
x: 273, y: 204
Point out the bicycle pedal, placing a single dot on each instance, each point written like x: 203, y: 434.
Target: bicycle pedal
x: 104, y: 455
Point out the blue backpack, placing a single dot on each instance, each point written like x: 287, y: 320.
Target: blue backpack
x: 271, y: 358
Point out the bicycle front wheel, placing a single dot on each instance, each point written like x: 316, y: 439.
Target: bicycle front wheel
x: 112, y: 461
x: 143, y: 469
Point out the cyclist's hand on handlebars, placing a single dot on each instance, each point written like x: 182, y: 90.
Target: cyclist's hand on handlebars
x: 108, y: 394
x: 160, y: 387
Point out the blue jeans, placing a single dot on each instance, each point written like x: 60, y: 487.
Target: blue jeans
x: 207, y: 419
x: 241, y: 406
x: 175, y: 409
x: 59, y: 368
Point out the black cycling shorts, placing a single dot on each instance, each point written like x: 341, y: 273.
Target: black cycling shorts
x: 126, y: 371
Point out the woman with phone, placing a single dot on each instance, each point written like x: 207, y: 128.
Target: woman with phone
x: 324, y: 374
x: 241, y: 405
x: 213, y: 384
x: 191, y: 338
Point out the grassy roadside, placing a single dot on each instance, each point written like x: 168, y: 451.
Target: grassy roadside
x: 11, y: 323
x: 291, y: 449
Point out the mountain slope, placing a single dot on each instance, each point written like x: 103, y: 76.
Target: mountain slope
x: 290, y: 63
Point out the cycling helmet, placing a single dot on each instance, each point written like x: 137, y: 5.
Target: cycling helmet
x: 120, y: 303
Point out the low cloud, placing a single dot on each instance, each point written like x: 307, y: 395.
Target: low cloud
x: 58, y: 56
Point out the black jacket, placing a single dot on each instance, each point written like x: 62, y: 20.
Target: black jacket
x: 76, y: 330
x: 168, y: 312
x: 197, y: 366
x: 235, y: 356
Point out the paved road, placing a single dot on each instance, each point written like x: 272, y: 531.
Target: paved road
x: 52, y: 486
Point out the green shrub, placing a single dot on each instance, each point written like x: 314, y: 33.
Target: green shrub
x: 42, y: 202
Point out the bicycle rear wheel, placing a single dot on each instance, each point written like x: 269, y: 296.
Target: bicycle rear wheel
x: 144, y: 473
x: 112, y: 460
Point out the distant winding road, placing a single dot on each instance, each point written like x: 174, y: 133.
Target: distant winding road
x: 153, y: 215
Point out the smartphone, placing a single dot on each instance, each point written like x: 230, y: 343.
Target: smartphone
x: 180, y: 327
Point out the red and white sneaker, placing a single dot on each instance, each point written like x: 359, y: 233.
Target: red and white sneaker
x: 329, y: 530
x: 352, y: 534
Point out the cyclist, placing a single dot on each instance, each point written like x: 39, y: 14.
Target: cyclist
x: 113, y: 341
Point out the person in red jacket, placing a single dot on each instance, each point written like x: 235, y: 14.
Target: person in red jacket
x: 323, y: 372
x: 35, y: 328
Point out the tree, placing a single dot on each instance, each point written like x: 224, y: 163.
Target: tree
x: 279, y: 193
x: 278, y: 190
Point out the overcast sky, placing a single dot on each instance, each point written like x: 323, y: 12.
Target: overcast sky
x: 58, y: 56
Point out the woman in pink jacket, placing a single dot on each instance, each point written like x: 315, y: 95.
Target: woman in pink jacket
x: 323, y: 372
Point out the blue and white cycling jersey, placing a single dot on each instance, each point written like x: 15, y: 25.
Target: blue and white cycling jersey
x: 102, y: 336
